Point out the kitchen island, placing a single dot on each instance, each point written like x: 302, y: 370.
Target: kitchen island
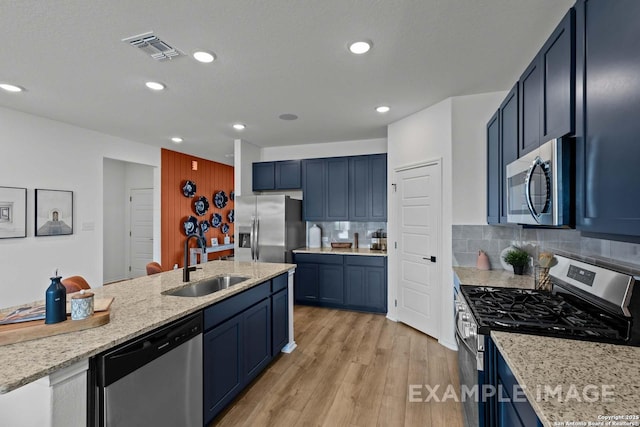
x: 139, y: 307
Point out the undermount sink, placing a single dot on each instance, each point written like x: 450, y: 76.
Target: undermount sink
x: 206, y: 286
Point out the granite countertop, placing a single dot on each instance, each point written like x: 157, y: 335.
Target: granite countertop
x: 579, y: 369
x: 495, y: 278
x: 340, y: 251
x: 138, y: 307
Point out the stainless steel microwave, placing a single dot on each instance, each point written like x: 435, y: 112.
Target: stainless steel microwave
x: 539, y: 186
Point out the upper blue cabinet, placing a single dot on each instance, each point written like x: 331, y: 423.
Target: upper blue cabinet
x: 281, y: 175
x: 607, y: 125
x: 345, y: 188
x: 547, y: 89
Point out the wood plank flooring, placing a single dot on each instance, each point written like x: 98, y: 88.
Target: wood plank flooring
x: 350, y: 369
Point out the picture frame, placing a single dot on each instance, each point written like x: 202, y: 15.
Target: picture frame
x: 53, y: 212
x: 13, y: 212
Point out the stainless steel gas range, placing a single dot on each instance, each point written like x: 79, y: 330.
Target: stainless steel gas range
x: 587, y: 302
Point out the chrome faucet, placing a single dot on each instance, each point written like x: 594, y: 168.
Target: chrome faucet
x: 187, y: 269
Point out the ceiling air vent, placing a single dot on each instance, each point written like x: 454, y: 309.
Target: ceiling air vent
x: 152, y: 46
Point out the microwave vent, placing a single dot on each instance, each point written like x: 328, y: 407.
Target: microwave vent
x: 153, y: 46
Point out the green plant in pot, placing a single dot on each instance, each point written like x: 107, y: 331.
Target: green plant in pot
x: 518, y: 258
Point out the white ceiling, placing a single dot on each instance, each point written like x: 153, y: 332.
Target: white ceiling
x: 273, y: 57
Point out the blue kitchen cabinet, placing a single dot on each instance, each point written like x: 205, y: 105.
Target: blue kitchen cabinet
x: 264, y: 176
x: 306, y: 280
x: 359, y: 185
x: 377, y: 190
x: 607, y: 125
x: 279, y: 321
x: 314, y: 189
x: 509, y: 135
x: 366, y: 283
x: 513, y: 410
x: 547, y: 95
x: 223, y: 376
x: 319, y: 279
x: 280, y: 175
x: 494, y: 172
x: 257, y: 339
x: 331, y: 283
x: 337, y: 196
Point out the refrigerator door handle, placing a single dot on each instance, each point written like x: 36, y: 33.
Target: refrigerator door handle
x: 252, y: 238
x: 257, y: 238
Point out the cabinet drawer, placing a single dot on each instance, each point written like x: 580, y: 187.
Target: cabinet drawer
x: 223, y: 310
x: 280, y: 282
x: 319, y: 258
x: 367, y: 261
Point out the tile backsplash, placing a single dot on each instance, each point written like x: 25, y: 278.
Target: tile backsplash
x: 469, y: 239
x: 342, y: 231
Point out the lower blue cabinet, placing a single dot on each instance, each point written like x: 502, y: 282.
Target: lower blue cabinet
x: 330, y: 283
x: 243, y: 334
x: 366, y: 288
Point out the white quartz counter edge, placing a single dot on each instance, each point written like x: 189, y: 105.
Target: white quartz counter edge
x: 139, y: 307
x: 340, y: 251
x: 585, y: 373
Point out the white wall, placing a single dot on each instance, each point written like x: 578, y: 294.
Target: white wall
x: 41, y: 153
x: 244, y: 155
x: 327, y: 149
x: 453, y: 131
x: 470, y: 116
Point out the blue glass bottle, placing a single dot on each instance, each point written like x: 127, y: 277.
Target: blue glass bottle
x: 55, y: 302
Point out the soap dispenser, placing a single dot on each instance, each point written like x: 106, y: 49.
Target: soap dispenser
x: 55, y: 301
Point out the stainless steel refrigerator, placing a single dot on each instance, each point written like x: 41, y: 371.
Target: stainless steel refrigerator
x: 268, y: 228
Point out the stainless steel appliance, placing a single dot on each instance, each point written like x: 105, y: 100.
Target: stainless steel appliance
x: 155, y: 379
x: 538, y: 186
x: 587, y: 302
x: 268, y: 228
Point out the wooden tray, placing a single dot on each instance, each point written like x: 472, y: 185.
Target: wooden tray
x: 26, y: 331
x: 342, y: 245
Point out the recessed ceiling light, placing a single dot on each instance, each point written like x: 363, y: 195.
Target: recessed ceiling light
x: 10, y: 88
x: 288, y: 116
x: 203, y: 56
x: 155, y: 85
x: 177, y: 139
x: 360, y: 47
x: 239, y: 126
x: 382, y: 109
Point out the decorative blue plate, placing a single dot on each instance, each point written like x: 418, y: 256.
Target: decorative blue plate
x: 204, y: 226
x: 220, y: 199
x: 201, y: 205
x: 230, y: 216
x: 225, y: 228
x: 216, y: 220
x: 189, y: 189
x: 190, y: 225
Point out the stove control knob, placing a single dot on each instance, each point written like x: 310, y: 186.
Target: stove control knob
x: 466, y: 328
x: 472, y: 333
x: 464, y: 317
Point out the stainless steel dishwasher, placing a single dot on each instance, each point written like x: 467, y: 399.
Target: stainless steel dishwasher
x: 155, y: 379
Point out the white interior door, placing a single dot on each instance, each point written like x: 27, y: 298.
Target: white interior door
x: 419, y: 288
x: 141, y: 233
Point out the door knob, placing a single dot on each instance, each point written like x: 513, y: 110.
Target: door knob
x: 431, y: 258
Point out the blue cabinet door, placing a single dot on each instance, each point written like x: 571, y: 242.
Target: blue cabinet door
x: 288, y: 175
x: 279, y: 321
x: 256, y: 339
x: 494, y: 174
x: 607, y: 125
x: 365, y: 288
x: 508, y: 144
x: 264, y: 176
x: 306, y: 282
x: 378, y: 187
x: 330, y: 283
x: 314, y: 189
x: 359, y: 188
x: 558, y: 67
x: 530, y: 105
x: 222, y: 370
x: 337, y: 195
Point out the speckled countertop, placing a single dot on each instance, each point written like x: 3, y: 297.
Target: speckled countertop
x: 340, y: 251
x: 579, y: 369
x: 495, y: 278
x: 138, y: 307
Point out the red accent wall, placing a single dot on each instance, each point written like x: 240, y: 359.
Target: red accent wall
x: 211, y: 177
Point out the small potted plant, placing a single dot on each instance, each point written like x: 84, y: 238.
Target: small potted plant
x: 518, y: 258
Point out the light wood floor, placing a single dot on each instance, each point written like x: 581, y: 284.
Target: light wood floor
x: 350, y: 369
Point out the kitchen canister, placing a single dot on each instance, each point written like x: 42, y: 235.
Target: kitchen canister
x: 81, y: 305
x: 55, y: 301
x: 315, y: 236
x: 482, y: 263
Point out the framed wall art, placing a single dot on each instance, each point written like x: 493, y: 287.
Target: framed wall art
x: 13, y: 212
x: 54, y: 212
